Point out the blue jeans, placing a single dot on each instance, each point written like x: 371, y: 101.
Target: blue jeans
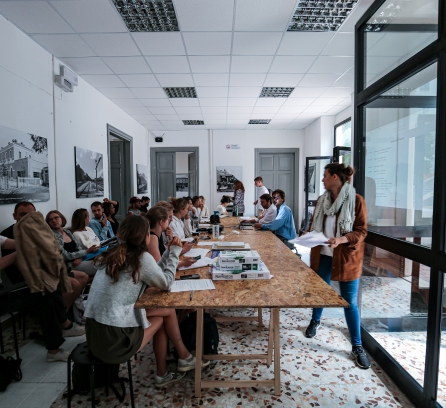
x: 349, y: 291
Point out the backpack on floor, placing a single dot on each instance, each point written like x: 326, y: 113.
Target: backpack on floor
x: 81, y: 379
x: 188, y: 331
x: 9, y: 370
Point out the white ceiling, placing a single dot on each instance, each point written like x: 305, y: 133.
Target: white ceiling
x: 227, y: 49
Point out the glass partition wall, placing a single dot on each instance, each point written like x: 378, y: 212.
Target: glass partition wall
x: 400, y: 158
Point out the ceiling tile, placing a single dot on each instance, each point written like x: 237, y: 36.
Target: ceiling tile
x: 209, y: 15
x: 211, y: 80
x: 214, y: 116
x: 247, y: 79
x: 136, y: 110
x: 155, y: 102
x: 213, y: 101
x: 191, y: 116
x: 263, y: 15
x: 239, y: 109
x: 331, y: 65
x: 169, y: 43
x: 283, y: 80
x: 184, y: 102
x: 211, y: 91
x: 116, y: 92
x: 163, y: 118
x: 213, y: 109
x: 149, y: 93
x: 166, y: 110
x: 327, y: 101
x: 346, y: 101
x: 292, y: 109
x: 166, y: 65
x: 153, y: 125
x: 111, y: 45
x: 64, y: 45
x: 285, y: 116
x: 297, y: 43
x: 305, y: 92
x: 104, y: 81
x: 244, y: 91
x: 34, y: 17
x: 345, y: 80
x: 292, y: 64
x: 175, y: 80
x: 206, y: 64
x: 317, y: 109
x: 335, y: 110
x: 87, y: 16
x: 318, y: 80
x: 266, y: 109
x: 242, y: 101
x: 143, y: 118
x: 263, y: 43
x: 187, y: 110
x: 271, y: 101
x: 123, y: 103
x: 127, y: 65
x: 299, y: 102
x: 139, y: 80
x: 342, y: 44
x: 255, y: 127
x: 333, y: 92
x: 214, y: 122
x: 244, y: 120
x: 208, y: 43
x: 251, y: 64
x: 87, y: 65
x: 277, y: 124
x: 239, y: 117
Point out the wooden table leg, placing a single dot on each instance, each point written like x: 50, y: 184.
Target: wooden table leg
x: 259, y: 311
x: 276, y: 324
x: 199, y: 352
x: 270, y: 338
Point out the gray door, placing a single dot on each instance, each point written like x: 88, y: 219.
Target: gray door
x: 165, y: 174
x: 117, y: 177
x: 277, y: 171
x: 191, y: 165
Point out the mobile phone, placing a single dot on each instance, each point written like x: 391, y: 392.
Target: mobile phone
x: 195, y: 258
x: 194, y: 276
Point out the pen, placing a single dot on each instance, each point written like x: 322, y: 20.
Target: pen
x: 191, y: 294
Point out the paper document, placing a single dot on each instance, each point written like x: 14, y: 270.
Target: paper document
x: 189, y: 239
x: 199, y: 264
x: 192, y: 284
x: 310, y: 239
x: 196, y: 251
x: 247, y: 218
x: 205, y: 243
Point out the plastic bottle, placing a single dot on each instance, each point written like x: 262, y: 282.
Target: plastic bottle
x: 215, y: 231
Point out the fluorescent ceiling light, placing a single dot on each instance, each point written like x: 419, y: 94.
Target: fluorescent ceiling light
x: 193, y: 122
x: 276, y: 92
x: 181, y: 92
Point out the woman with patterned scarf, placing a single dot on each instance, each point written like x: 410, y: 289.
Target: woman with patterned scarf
x: 341, y: 215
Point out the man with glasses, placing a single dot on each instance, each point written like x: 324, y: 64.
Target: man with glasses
x: 283, y: 225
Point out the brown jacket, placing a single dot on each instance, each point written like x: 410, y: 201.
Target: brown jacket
x: 347, y: 258
x: 38, y: 255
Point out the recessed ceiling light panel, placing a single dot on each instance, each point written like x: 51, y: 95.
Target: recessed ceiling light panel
x: 181, y: 92
x: 320, y: 15
x: 259, y: 121
x: 148, y: 15
x: 276, y: 92
x: 193, y: 122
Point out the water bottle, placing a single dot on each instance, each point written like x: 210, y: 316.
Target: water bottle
x: 235, y: 212
x: 215, y: 231
x: 195, y: 223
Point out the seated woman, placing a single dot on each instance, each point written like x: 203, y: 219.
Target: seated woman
x: 224, y: 202
x: 115, y: 329
x: 110, y: 209
x: 204, y: 208
x: 159, y: 222
x: 196, y: 202
x: 134, y: 207
x: 83, y: 234
x: 180, y: 229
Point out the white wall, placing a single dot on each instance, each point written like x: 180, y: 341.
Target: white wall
x: 79, y: 118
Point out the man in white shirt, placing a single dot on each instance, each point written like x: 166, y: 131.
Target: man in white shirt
x: 270, y: 210
x: 261, y: 189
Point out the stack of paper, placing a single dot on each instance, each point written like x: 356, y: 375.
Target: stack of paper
x: 310, y: 240
x: 262, y: 273
x: 239, y: 261
x: 233, y: 246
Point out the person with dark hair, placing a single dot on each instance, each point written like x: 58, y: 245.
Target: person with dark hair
x: 135, y: 206
x: 99, y: 223
x: 269, y: 209
x: 283, y: 224
x: 224, y: 202
x: 192, y: 211
x: 81, y: 231
x: 110, y: 209
x: 341, y: 215
x: 196, y: 202
x: 261, y: 189
x: 239, y: 198
x: 145, y: 202
x: 115, y: 329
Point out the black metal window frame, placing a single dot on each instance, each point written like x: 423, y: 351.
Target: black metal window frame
x: 434, y: 257
x: 338, y: 125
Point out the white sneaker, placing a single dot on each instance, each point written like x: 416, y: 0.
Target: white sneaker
x: 61, y: 355
x: 76, y: 330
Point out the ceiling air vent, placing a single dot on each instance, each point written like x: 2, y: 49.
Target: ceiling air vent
x: 148, y: 15
x: 321, y: 15
x: 181, y: 92
x: 193, y: 122
x: 259, y: 121
x: 276, y: 92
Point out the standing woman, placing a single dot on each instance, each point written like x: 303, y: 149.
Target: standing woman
x: 239, y: 198
x: 341, y: 215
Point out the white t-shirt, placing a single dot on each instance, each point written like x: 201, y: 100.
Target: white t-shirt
x: 87, y: 238
x: 269, y: 215
x: 330, y: 232
x: 221, y: 209
x: 260, y: 191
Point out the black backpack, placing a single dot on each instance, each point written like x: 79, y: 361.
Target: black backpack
x: 270, y: 192
x: 211, y: 338
x: 9, y: 370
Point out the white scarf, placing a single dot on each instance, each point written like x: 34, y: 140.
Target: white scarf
x: 345, y: 202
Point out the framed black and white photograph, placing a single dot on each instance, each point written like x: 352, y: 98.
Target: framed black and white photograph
x: 182, y: 185
x: 141, y: 179
x: 226, y: 176
x: 23, y: 167
x: 89, y: 169
x: 312, y: 178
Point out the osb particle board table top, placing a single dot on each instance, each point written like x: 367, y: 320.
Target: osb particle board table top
x: 294, y: 284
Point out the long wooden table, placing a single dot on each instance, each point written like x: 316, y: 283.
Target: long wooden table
x: 294, y: 285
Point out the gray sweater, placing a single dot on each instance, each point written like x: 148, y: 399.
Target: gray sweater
x: 113, y: 303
